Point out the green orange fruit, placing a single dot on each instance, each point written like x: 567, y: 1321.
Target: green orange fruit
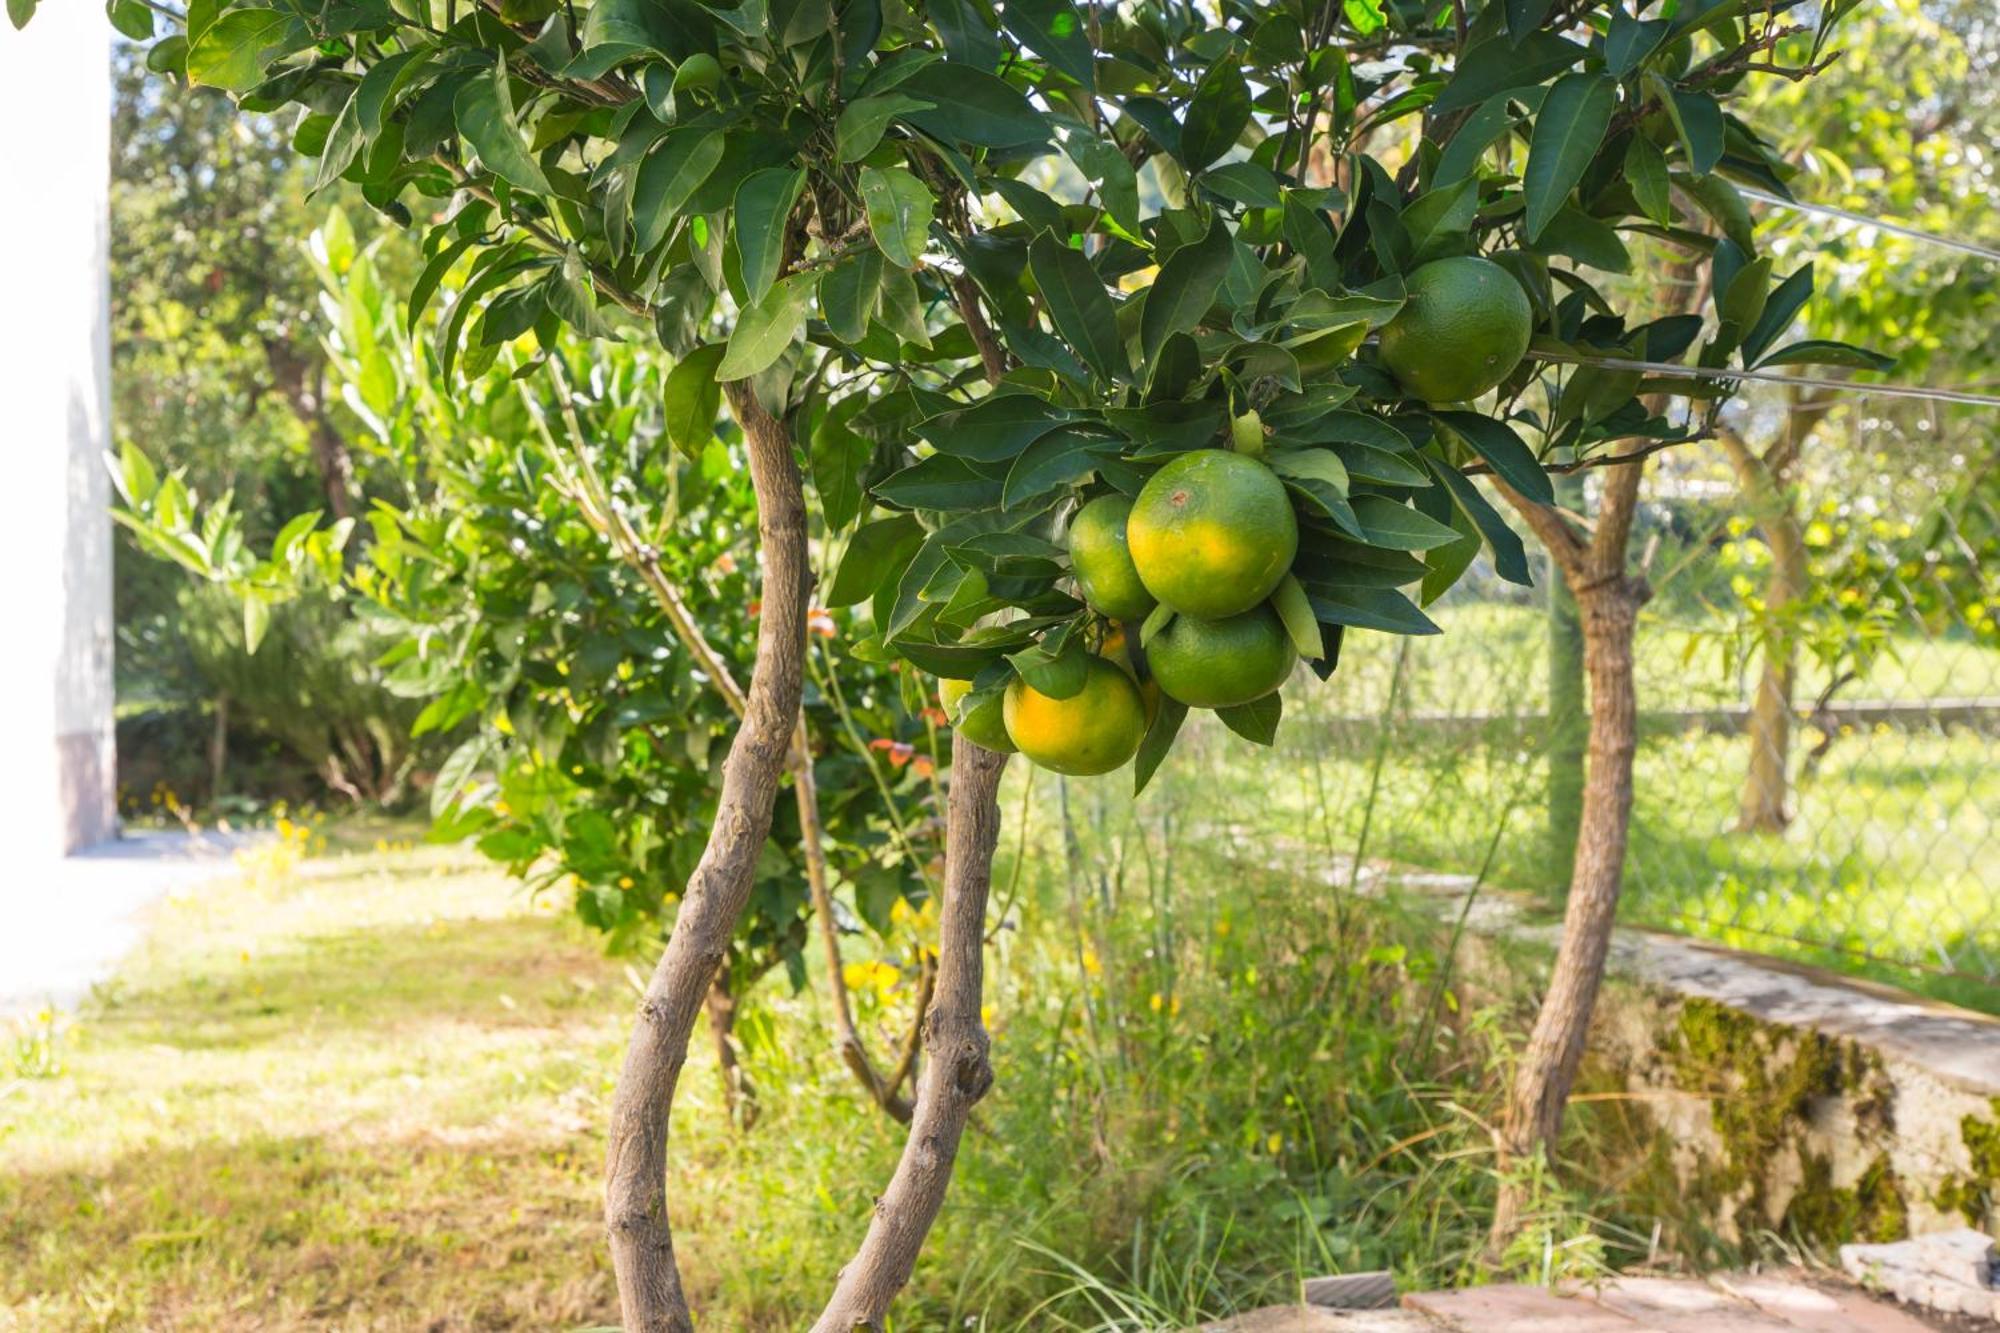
x: 1093, y: 731
x: 1102, y: 561
x: 985, y: 725
x: 699, y: 73
x: 1464, y: 329
x: 1222, y: 663
x: 1212, y: 533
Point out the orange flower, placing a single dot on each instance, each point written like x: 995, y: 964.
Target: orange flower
x: 899, y: 752
x: 820, y: 621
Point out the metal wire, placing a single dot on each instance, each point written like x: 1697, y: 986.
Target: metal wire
x: 1669, y: 370
x: 1863, y: 220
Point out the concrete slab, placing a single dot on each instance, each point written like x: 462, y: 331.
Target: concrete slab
x: 85, y: 911
x: 1667, y: 1305
x: 1813, y: 1308
x: 1307, y: 1319
x: 1519, y: 1309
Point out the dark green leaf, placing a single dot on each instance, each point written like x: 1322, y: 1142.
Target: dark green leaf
x: 1382, y: 609
x: 839, y: 456
x: 973, y: 107
x: 1503, y: 451
x: 1082, y: 312
x: 692, y: 398
x: 1159, y: 739
x: 668, y: 178
x: 1060, y: 458
x: 847, y: 294
x: 1245, y: 183
x: 1510, y: 558
x: 899, y: 212
x: 1630, y: 40
x: 1054, y: 30
x: 1438, y: 222
x: 1256, y: 721
x: 1397, y: 526
x: 1497, y: 65
x: 1786, y: 300
x: 1185, y: 288
x: 863, y: 121
x: 995, y: 428
x: 484, y: 113
x: 764, y: 330
x: 940, y: 482
x: 764, y: 203
x: 878, y: 551
x: 1646, y: 173
x: 1574, y: 117
x: 1823, y: 352
x: 1216, y: 116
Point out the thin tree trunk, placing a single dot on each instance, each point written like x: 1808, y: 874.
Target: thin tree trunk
x: 1766, y: 779
x: 956, y: 1073
x: 1568, y: 710
x: 1608, y: 601
x: 218, y: 747
x: 852, y: 1051
x: 588, y: 490
x: 1555, y: 1048
x: 1765, y: 481
x: 738, y: 1096
x: 642, y: 1252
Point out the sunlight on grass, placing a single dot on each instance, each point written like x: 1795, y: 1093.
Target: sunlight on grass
x: 364, y: 1091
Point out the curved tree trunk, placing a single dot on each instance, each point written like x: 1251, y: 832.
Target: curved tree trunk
x: 1608, y: 601
x: 635, y: 1202
x: 1555, y: 1048
x: 956, y: 1073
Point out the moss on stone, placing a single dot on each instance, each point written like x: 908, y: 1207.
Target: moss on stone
x: 1972, y: 1196
x: 1764, y: 1080
x: 1873, y: 1210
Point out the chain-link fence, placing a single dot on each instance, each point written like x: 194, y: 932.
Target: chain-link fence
x: 1818, y: 674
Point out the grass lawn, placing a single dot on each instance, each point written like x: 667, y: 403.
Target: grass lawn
x: 364, y: 1091
x: 1890, y: 868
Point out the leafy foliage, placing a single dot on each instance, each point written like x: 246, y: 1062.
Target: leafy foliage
x: 871, y: 191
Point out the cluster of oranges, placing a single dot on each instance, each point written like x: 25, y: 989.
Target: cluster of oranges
x: 1211, y: 536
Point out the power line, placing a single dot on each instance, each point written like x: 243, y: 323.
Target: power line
x: 1671, y: 371
x: 1863, y: 220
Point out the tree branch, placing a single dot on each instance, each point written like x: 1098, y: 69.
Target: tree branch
x: 635, y: 1203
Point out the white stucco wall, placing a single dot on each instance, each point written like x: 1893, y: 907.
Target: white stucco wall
x: 56, y: 770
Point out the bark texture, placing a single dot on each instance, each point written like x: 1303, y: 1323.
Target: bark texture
x: 1608, y: 599
x: 956, y: 1072
x: 642, y: 1251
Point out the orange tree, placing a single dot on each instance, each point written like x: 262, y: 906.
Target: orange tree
x: 971, y: 268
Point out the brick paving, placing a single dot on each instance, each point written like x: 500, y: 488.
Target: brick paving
x: 1726, y: 1303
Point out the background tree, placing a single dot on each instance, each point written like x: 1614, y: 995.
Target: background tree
x: 1926, y: 161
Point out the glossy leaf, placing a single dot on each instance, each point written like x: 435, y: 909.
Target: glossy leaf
x: 1574, y: 117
